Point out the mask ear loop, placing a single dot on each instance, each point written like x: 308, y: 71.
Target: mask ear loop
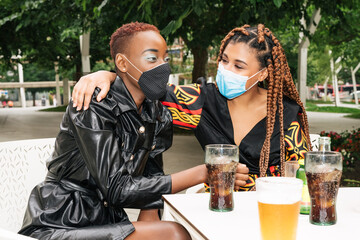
x: 134, y: 67
x: 256, y: 81
x: 252, y: 85
x: 132, y: 64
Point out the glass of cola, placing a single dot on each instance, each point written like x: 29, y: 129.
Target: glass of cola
x: 221, y: 162
x: 323, y: 172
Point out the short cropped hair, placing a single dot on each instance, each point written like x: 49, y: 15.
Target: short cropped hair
x: 120, y: 38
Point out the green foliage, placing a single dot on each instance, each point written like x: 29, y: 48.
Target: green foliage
x: 277, y: 3
x: 311, y: 107
x: 51, y: 99
x: 318, y: 65
x: 353, y: 115
x: 337, y: 31
x: 48, y: 31
x: 348, y: 143
x: 175, y: 25
x: 101, y: 65
x: 288, y: 36
x: 3, y: 98
x: 35, y: 73
x: 314, y: 102
x: 181, y: 67
x: 351, y: 183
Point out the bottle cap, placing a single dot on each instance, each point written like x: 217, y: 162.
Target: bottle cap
x: 301, y: 161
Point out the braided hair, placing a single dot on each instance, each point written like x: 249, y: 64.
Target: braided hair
x: 279, y: 82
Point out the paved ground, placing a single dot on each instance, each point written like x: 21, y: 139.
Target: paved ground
x: 28, y: 123
x: 331, y: 122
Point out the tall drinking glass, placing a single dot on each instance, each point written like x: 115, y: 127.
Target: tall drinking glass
x: 221, y: 162
x: 279, y: 206
x: 290, y: 168
x: 323, y: 173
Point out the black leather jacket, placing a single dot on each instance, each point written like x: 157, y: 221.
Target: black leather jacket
x: 106, y: 158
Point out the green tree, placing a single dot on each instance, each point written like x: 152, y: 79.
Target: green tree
x: 338, y: 32
x: 204, y: 23
x: 43, y: 32
x: 36, y: 73
x: 48, y: 31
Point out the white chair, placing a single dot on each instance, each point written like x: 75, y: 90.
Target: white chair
x: 314, y: 139
x: 8, y: 235
x: 196, y: 189
x: 22, y: 167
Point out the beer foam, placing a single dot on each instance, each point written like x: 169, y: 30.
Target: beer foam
x: 280, y: 198
x: 278, y: 190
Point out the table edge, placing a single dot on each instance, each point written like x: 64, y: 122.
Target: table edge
x: 183, y: 217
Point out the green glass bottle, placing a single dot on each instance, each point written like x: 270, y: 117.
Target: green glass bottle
x: 305, y: 198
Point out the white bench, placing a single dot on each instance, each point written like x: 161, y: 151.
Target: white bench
x: 22, y: 167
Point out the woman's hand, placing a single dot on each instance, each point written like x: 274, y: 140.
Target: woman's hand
x: 241, y: 175
x: 85, y: 88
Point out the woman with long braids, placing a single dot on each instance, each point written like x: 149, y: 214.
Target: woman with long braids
x: 254, y: 104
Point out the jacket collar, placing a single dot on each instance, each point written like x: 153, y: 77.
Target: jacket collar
x: 125, y: 101
x: 122, y: 96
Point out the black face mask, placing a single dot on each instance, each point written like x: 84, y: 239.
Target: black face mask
x: 153, y: 82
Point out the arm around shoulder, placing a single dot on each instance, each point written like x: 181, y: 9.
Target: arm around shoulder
x: 85, y: 88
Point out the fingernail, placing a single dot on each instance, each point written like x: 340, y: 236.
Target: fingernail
x: 74, y: 104
x: 85, y: 108
x: 78, y: 109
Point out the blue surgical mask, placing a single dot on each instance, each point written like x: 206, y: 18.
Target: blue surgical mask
x: 232, y: 85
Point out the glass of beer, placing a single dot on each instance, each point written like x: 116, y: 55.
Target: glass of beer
x: 221, y: 162
x: 323, y: 173
x: 279, y: 206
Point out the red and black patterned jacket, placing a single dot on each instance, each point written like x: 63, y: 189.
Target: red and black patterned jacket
x: 203, y: 109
